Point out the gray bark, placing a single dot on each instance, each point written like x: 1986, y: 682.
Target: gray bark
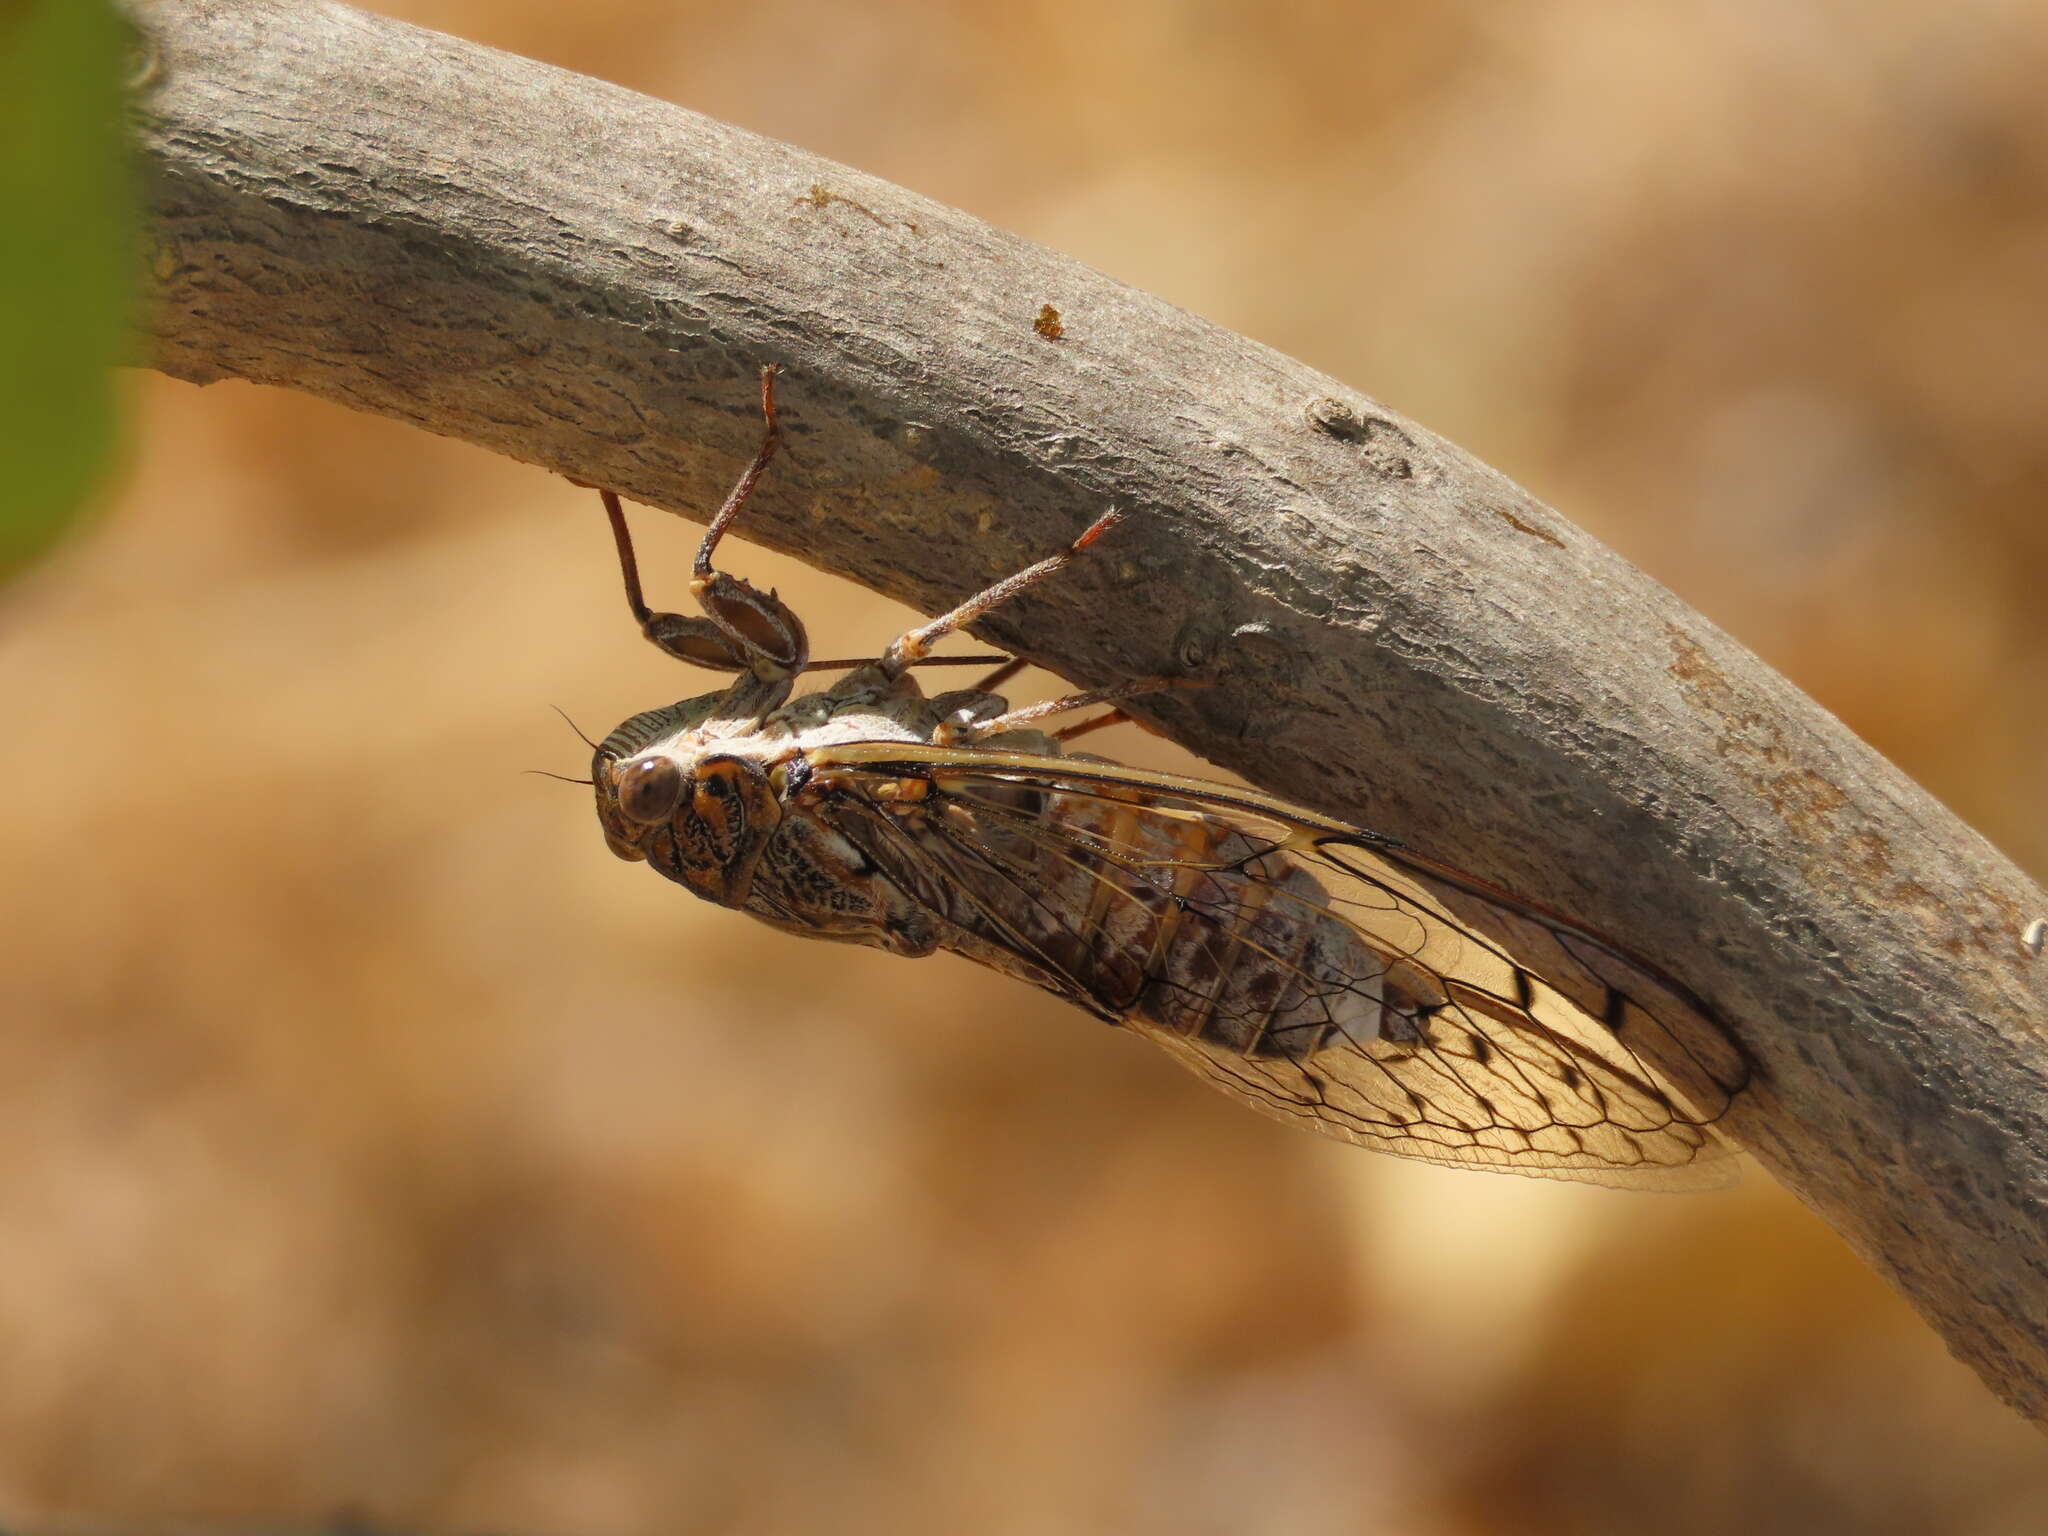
x: 586, y: 279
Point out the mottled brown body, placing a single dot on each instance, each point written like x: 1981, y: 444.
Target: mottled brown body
x: 1319, y: 972
x: 1192, y: 930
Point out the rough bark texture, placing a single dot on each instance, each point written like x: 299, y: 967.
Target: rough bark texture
x: 586, y: 279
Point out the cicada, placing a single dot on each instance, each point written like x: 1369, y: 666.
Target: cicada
x: 1320, y: 972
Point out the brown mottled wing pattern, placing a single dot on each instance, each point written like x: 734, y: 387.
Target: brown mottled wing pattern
x: 1321, y: 974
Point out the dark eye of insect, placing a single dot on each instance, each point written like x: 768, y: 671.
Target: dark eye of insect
x: 650, y: 788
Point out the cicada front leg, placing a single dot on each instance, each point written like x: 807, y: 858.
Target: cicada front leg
x: 743, y: 629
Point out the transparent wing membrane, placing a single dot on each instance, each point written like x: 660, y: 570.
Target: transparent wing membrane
x: 1320, y: 974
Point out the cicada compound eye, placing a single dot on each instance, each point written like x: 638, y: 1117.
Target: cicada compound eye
x: 649, y: 789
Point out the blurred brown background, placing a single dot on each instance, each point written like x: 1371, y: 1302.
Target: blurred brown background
x: 371, y: 1140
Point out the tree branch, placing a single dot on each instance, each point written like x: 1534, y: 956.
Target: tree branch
x: 587, y: 279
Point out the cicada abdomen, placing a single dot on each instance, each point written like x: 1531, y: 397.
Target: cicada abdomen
x: 1179, y: 922
x: 1320, y: 972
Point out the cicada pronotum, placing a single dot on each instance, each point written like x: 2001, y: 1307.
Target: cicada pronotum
x: 1320, y: 972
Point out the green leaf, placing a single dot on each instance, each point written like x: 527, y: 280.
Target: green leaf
x: 67, y: 263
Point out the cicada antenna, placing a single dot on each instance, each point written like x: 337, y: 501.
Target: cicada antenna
x: 572, y: 726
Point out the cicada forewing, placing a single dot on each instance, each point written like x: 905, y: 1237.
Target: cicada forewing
x: 1320, y: 973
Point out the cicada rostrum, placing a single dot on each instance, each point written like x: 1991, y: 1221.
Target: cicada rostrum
x: 1322, y: 973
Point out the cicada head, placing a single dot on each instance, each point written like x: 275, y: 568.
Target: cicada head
x: 669, y: 792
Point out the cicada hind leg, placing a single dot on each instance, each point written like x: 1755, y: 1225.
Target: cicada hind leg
x: 960, y: 733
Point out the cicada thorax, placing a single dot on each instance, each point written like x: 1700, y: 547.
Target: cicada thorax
x: 726, y: 821
x: 814, y: 881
